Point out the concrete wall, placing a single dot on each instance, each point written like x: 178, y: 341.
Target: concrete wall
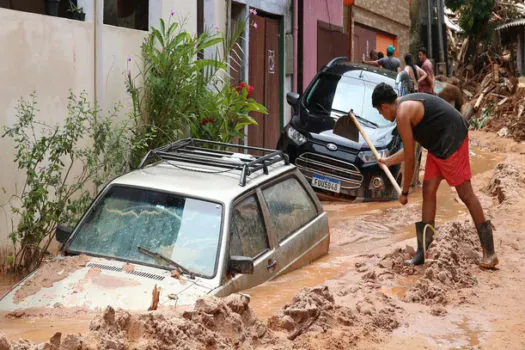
x: 51, y: 55
x: 328, y: 11
x: 392, y: 17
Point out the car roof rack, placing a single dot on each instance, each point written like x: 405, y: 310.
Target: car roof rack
x: 188, y: 150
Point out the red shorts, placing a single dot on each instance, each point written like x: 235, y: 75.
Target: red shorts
x: 455, y: 169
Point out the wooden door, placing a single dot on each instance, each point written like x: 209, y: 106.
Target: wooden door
x: 331, y: 43
x: 364, y: 41
x: 264, y: 76
x: 272, y: 90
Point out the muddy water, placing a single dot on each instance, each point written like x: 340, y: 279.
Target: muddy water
x: 357, y: 228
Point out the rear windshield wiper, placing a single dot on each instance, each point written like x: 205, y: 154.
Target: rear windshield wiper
x: 358, y: 117
x: 166, y: 259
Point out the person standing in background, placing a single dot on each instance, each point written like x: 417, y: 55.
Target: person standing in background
x: 426, y: 84
x: 414, y: 72
x: 390, y: 62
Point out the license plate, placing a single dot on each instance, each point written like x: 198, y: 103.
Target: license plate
x: 326, y: 183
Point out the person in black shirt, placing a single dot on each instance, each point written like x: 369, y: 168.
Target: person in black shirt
x: 442, y: 130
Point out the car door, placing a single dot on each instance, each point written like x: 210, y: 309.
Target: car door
x: 250, y: 237
x: 298, y: 223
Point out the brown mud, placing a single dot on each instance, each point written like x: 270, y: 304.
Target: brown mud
x: 367, y: 297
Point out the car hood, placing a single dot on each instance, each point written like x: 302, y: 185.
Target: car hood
x: 99, y: 282
x: 381, y: 137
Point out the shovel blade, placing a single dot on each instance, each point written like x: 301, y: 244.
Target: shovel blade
x: 345, y: 127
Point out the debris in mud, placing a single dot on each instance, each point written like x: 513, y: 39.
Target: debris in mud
x: 49, y: 273
x: 155, y: 296
x: 438, y: 311
x: 506, y: 182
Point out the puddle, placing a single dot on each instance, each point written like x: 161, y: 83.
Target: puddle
x: 39, y: 329
x: 360, y: 227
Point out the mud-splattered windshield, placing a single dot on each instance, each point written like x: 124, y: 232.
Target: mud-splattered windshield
x: 183, y: 229
x: 333, y: 92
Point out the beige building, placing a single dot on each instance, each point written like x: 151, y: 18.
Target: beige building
x: 44, y: 52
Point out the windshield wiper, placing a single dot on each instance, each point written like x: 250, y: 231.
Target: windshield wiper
x: 166, y: 259
x: 369, y: 122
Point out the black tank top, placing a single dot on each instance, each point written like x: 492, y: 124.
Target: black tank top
x: 442, y: 129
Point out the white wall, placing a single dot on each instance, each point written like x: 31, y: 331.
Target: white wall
x: 52, y: 55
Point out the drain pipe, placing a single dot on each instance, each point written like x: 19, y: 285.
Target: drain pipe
x: 295, y: 38
x: 440, y: 14
x: 98, y: 21
x: 429, y: 28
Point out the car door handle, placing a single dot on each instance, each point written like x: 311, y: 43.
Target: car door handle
x: 271, y: 264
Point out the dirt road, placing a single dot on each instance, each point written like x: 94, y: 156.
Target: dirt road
x: 365, y: 297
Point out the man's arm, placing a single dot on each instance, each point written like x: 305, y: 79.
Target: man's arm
x: 394, y: 159
x: 371, y: 63
x: 404, y: 126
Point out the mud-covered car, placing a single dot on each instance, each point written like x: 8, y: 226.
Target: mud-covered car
x: 336, y: 165
x: 195, y: 219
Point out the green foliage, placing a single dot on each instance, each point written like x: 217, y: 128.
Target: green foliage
x: 474, y: 17
x: 85, y: 145
x: 177, y: 95
x: 480, y: 122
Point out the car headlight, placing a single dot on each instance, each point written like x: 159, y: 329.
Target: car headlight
x: 368, y: 156
x: 296, y: 136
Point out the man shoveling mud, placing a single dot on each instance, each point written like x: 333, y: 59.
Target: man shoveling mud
x: 441, y: 129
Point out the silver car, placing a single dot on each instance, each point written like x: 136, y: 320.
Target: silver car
x: 197, y: 221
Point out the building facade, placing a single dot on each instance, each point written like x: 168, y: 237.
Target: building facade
x: 375, y: 24
x: 45, y: 52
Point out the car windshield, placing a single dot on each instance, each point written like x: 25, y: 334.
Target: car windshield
x: 334, y: 92
x: 183, y: 229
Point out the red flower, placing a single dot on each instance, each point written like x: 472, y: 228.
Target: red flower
x: 242, y: 86
x: 207, y: 120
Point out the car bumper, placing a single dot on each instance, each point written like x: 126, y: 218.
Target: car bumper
x: 357, y: 181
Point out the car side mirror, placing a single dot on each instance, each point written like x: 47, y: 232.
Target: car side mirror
x: 62, y: 233
x: 292, y: 98
x: 241, y: 264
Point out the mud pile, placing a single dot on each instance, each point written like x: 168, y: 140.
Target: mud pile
x: 506, y: 183
x: 214, y: 323
x: 315, y: 314
x: 448, y: 265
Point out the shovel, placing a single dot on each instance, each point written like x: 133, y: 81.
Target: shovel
x: 350, y: 128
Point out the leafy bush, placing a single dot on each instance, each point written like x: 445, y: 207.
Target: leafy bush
x: 87, y: 144
x: 177, y: 95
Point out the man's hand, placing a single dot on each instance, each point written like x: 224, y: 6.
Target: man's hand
x: 386, y: 161
x: 403, y: 199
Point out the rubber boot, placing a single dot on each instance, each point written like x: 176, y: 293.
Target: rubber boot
x: 419, y: 258
x: 490, y: 260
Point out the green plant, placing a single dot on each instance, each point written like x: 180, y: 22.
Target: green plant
x: 480, y: 122
x: 475, y: 19
x: 74, y: 8
x: 59, y: 163
x: 177, y: 95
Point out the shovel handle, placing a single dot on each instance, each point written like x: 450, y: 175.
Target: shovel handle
x: 376, y: 154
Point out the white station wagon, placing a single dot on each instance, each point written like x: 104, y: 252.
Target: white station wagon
x: 198, y: 221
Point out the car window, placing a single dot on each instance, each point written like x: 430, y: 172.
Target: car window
x: 182, y: 229
x: 248, y: 232
x: 334, y: 92
x: 290, y: 207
